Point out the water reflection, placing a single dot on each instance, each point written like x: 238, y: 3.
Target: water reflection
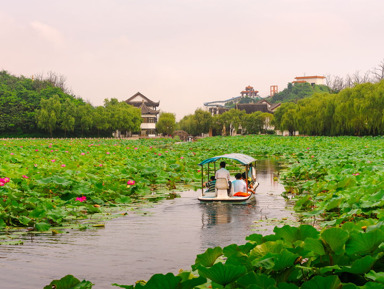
x: 135, y: 247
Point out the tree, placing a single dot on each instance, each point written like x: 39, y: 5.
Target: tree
x: 68, y: 116
x: 100, y: 119
x: 253, y: 123
x: 166, y: 123
x: 122, y: 116
x: 203, y: 121
x: 85, y: 117
x: 49, y: 114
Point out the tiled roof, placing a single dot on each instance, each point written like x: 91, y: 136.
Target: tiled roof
x: 138, y: 103
x: 253, y: 107
x: 146, y: 110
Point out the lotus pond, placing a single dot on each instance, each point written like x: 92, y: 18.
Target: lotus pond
x: 336, y: 181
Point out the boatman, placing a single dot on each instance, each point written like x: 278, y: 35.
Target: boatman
x: 223, y: 173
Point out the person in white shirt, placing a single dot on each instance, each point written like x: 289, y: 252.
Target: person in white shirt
x: 223, y: 173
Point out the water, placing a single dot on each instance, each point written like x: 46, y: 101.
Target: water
x: 136, y: 246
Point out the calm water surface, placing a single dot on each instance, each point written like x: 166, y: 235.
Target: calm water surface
x: 135, y: 247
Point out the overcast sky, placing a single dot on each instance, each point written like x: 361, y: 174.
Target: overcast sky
x: 187, y: 52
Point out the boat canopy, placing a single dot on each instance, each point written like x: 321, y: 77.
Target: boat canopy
x: 241, y: 158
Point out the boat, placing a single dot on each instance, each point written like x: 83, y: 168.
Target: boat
x: 221, y: 193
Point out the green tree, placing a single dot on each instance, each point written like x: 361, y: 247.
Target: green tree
x: 85, y: 117
x: 122, y: 116
x: 101, y: 119
x: 166, y: 123
x: 68, y: 116
x: 49, y: 114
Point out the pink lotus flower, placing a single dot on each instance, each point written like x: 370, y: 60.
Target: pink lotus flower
x: 82, y: 154
x: 81, y: 199
x: 12, y: 154
x: 159, y: 154
x: 136, y: 148
x: 181, y: 157
x: 36, y: 150
x: 63, y: 165
x: 35, y: 165
x: 108, y: 153
x: 357, y: 174
x: 5, y: 180
x: 166, y: 151
x: 100, y: 165
x: 130, y: 182
x: 53, y: 161
x: 25, y: 177
x: 312, y: 156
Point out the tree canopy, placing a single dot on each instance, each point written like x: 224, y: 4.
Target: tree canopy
x: 43, y: 107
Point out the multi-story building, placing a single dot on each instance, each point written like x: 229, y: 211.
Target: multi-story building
x: 149, y: 112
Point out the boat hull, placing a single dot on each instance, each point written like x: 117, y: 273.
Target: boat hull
x: 211, y: 197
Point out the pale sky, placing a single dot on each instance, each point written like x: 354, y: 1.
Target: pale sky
x: 187, y: 52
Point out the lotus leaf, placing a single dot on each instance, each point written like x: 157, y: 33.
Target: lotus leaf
x: 335, y: 238
x: 69, y: 282
x: 208, y: 258
x: 319, y: 282
x: 364, y: 243
x: 222, y: 274
x: 261, y: 280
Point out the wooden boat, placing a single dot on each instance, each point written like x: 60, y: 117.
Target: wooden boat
x: 222, y: 193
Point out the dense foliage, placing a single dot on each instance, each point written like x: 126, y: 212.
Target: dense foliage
x: 41, y: 107
x: 231, y: 122
x: 297, y: 91
x: 353, y: 111
x: 166, y: 124
x: 337, y: 183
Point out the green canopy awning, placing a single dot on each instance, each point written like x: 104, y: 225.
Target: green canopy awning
x: 241, y: 158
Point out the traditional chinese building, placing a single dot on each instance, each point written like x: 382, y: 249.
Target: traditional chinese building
x: 149, y: 112
x: 249, y: 92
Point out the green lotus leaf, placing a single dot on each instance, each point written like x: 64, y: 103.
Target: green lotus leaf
x: 42, y: 227
x: 69, y: 282
x: 292, y: 234
x: 160, y: 281
x: 314, y: 246
x: 256, y: 238
x: 335, y: 238
x: 232, y: 250
x: 261, y: 280
x: 267, y: 247
x: 192, y: 283
x: 364, y: 243
x: 360, y: 266
x: 208, y: 258
x: 24, y: 220
x: 375, y: 276
x: 284, y: 285
x: 124, y: 286
x: 222, y: 274
x: 350, y: 286
x: 320, y: 282
x: 372, y: 285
